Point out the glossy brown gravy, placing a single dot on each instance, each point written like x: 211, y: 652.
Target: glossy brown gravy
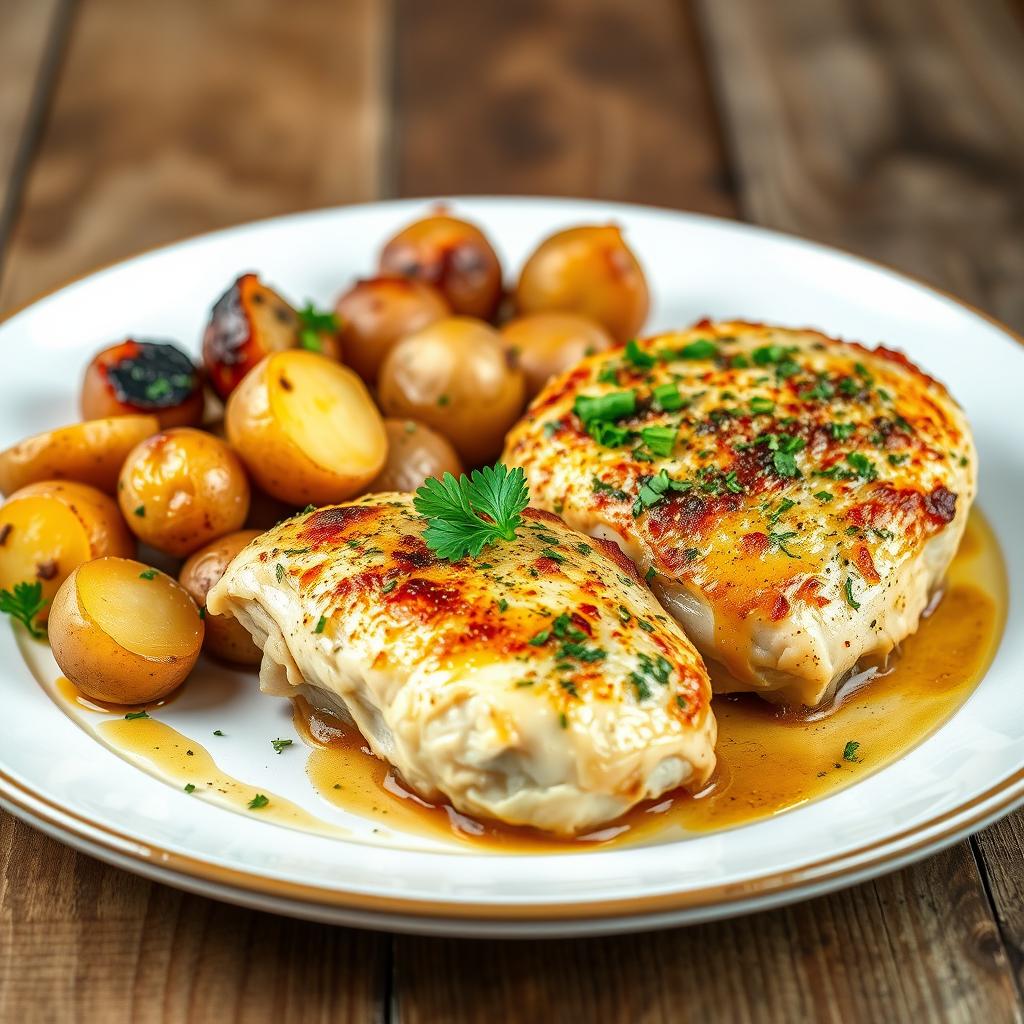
x: 769, y: 759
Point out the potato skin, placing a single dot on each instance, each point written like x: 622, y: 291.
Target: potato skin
x: 99, y: 666
x: 225, y: 637
x: 277, y: 464
x: 546, y: 344
x: 453, y: 256
x: 246, y: 323
x: 181, y: 488
x: 415, y: 452
x: 151, y: 378
x: 455, y: 376
x: 375, y: 314
x: 90, y: 453
x: 587, y: 270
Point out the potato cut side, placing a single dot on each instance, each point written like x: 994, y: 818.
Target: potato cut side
x: 326, y: 412
x: 143, y: 610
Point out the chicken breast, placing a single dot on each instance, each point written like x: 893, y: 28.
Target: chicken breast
x: 540, y: 683
x: 795, y: 500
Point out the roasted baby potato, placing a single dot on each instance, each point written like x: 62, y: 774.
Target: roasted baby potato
x: 306, y: 428
x: 415, y: 452
x: 375, y: 314
x: 123, y: 632
x: 545, y: 344
x: 143, y: 377
x: 455, y: 376
x: 453, y: 256
x: 225, y: 637
x: 90, y: 453
x: 587, y: 270
x: 248, y: 321
x: 181, y: 488
x: 49, y: 528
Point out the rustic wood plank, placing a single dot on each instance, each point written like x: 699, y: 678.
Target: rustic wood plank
x: 170, y: 119
x: 177, y: 118
x: 894, y: 130
x: 80, y: 941
x: 29, y: 44
x: 568, y: 97
x: 849, y: 957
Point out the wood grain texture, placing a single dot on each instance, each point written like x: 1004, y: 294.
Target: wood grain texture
x: 30, y: 40
x: 892, y: 129
x: 176, y: 118
x: 595, y: 98
x: 170, y: 119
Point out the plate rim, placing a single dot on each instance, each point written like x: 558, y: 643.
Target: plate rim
x: 370, y: 909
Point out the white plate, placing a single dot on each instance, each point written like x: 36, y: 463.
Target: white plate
x: 55, y: 774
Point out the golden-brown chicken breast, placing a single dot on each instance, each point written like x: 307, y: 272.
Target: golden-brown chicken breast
x: 794, y: 500
x: 539, y: 683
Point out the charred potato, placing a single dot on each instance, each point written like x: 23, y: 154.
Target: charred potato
x: 455, y: 376
x: 377, y: 313
x: 181, y: 488
x: 49, y: 528
x: 90, y: 453
x: 151, y: 378
x: 453, y: 256
x: 306, y: 428
x: 587, y: 270
x: 546, y: 344
x: 415, y: 452
x: 123, y: 632
x: 248, y: 321
x: 225, y: 637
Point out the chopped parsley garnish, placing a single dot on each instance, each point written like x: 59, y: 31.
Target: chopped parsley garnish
x: 555, y: 556
x: 761, y: 405
x: 258, y: 801
x: 609, y: 375
x: 539, y: 639
x: 388, y: 586
x: 295, y: 551
x: 661, y: 440
x: 607, y: 434
x: 312, y: 323
x: 189, y: 788
x: 862, y: 466
x: 149, y: 574
x: 778, y: 541
x: 654, y: 490
x: 637, y: 357
x: 320, y: 624
x: 850, y: 599
x: 650, y: 574
x: 217, y: 732
x: 899, y: 459
x: 645, y: 625
x: 502, y: 605
x: 850, y: 751
x: 841, y: 431
x: 667, y: 398
x: 131, y: 716
x: 24, y: 603
x: 280, y: 744
x: 279, y: 572
x: 614, y: 406
x: 784, y: 505
x: 822, y: 390
x: 700, y: 349
x: 455, y: 510
x: 656, y: 670
x: 140, y: 510
x: 823, y: 496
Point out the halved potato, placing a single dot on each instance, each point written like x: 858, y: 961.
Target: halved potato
x: 123, y: 632
x: 91, y: 453
x: 226, y: 637
x: 306, y: 428
x: 49, y: 528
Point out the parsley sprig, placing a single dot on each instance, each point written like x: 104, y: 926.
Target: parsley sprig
x: 24, y: 604
x: 312, y: 324
x: 466, y: 514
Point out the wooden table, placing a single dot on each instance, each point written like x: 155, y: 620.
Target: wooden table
x: 891, y: 127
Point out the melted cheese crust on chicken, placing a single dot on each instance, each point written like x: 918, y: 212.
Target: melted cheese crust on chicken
x: 540, y: 684
x: 795, y: 505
